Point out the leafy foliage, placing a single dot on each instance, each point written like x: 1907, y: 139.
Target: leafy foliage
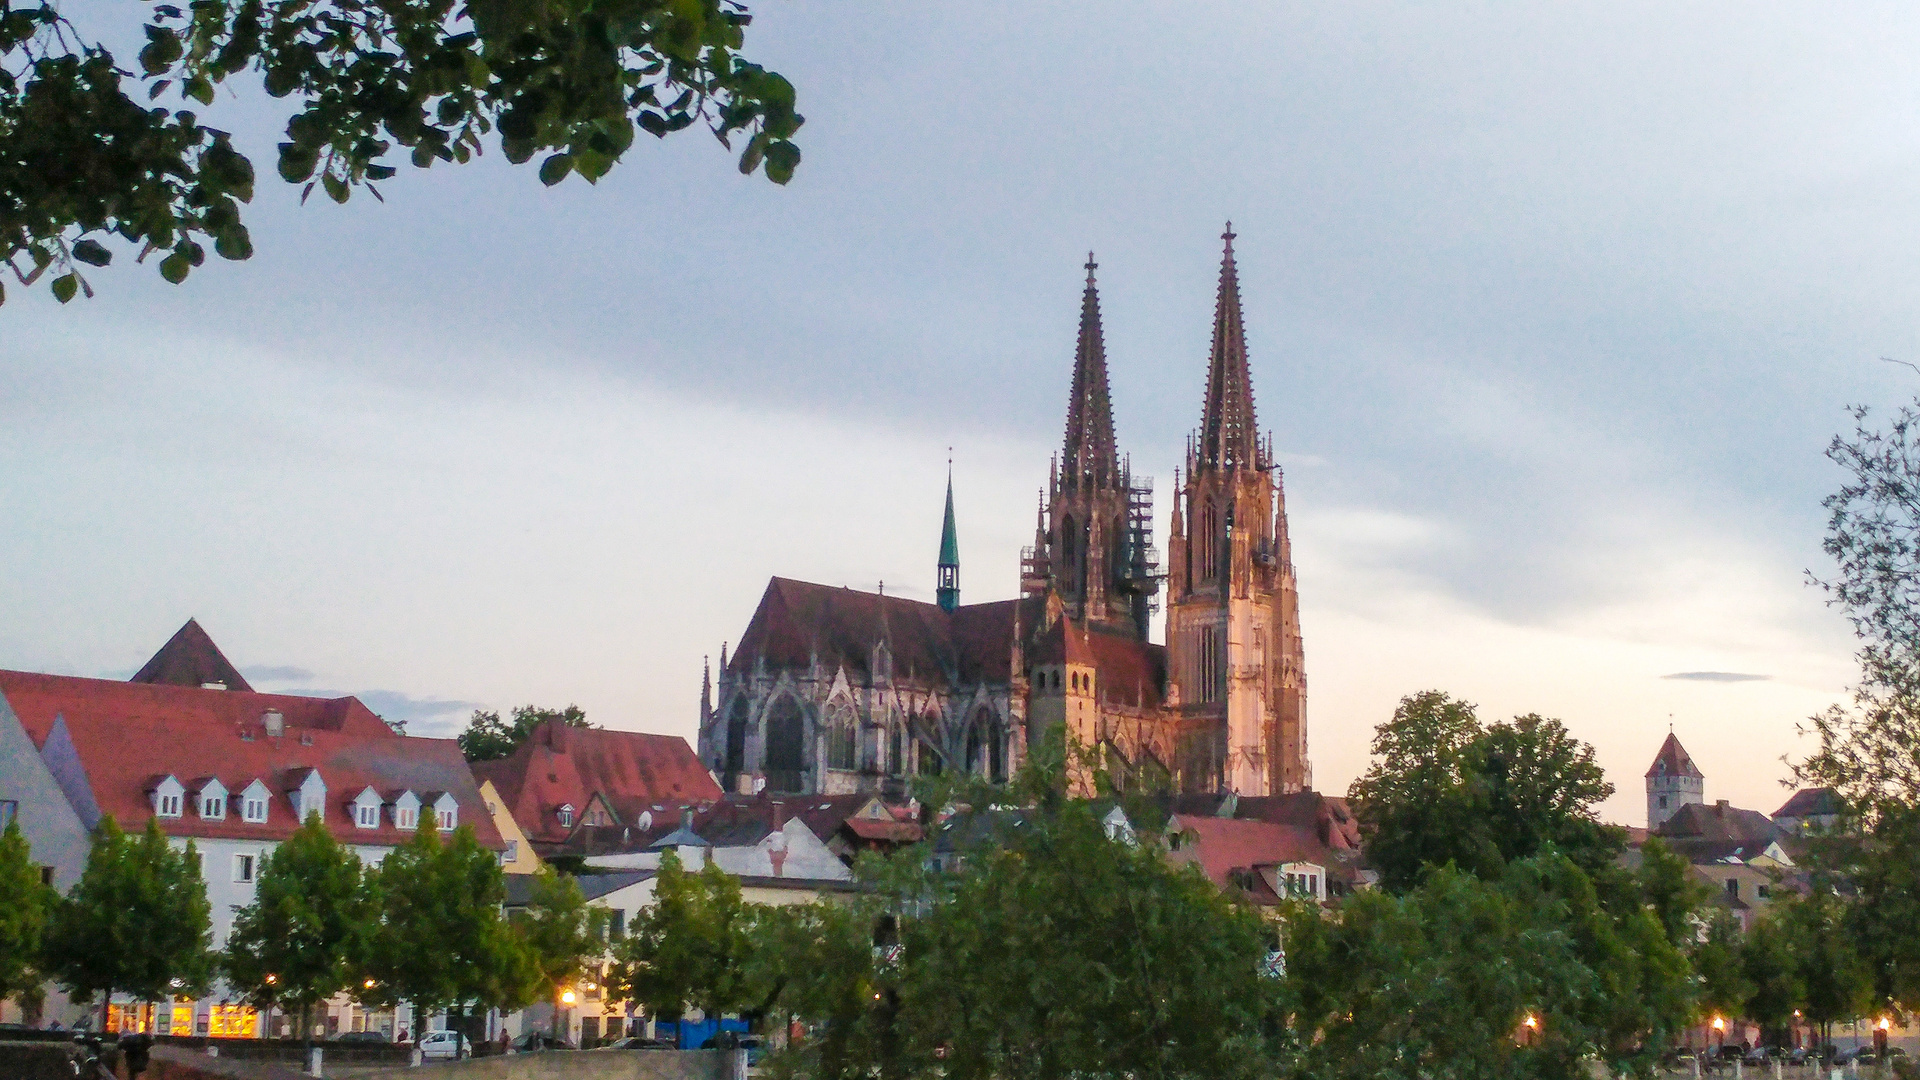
x: 558, y: 934
x: 441, y: 939
x: 81, y: 160
x: 137, y: 921
x: 489, y: 738
x: 1870, y: 752
x: 691, y: 947
x: 1444, y: 788
x: 305, y: 934
x: 23, y: 913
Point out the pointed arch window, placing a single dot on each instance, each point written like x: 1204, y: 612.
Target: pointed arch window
x: 786, y: 745
x: 736, y: 759
x: 842, y: 729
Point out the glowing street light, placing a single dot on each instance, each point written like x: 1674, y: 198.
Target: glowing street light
x: 567, y: 997
x: 1884, y: 1024
x: 271, y: 979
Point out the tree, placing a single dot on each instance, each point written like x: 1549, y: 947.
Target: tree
x: 690, y: 947
x: 1669, y: 889
x: 1837, y: 985
x: 1051, y: 950
x: 87, y: 158
x: 1773, y: 973
x: 1445, y: 789
x: 558, y: 933
x: 303, y: 937
x: 1443, y: 979
x: 488, y: 738
x: 137, y: 921
x: 23, y: 914
x: 441, y: 939
x: 1724, y: 988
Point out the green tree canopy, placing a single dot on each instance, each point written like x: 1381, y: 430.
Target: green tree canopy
x: 136, y: 922
x: 489, y: 738
x: 559, y: 934
x: 24, y: 903
x: 305, y: 934
x: 690, y: 947
x: 87, y: 158
x: 1443, y: 788
x: 441, y: 939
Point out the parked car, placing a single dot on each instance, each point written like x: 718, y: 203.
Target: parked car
x: 540, y: 1040
x: 638, y: 1042
x: 444, y: 1046
x: 1760, y: 1055
x: 360, y: 1037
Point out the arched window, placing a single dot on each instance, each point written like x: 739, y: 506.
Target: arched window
x: 786, y: 745
x: 986, y: 746
x: 736, y: 760
x: 896, y: 750
x: 923, y: 746
x: 841, y: 732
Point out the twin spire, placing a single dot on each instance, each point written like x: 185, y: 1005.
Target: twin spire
x: 1090, y: 458
x: 1228, y: 436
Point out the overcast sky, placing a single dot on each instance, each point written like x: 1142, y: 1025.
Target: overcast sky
x: 1552, y: 311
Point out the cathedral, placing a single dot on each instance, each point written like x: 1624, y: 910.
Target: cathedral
x: 835, y: 691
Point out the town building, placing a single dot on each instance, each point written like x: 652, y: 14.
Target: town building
x: 231, y: 771
x: 835, y: 690
x: 563, y: 778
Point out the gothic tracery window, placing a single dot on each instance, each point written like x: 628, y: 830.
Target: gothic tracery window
x: 842, y: 730
x: 786, y: 745
x: 736, y: 760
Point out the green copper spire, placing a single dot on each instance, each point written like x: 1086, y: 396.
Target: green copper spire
x: 948, y: 578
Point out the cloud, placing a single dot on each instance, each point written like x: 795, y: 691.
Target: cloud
x: 279, y: 673
x: 1716, y: 676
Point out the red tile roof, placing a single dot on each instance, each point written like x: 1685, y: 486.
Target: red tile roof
x: 798, y: 620
x: 1672, y: 760
x: 1130, y: 671
x: 561, y: 765
x: 1223, y: 845
x: 190, y: 658
x: 130, y: 736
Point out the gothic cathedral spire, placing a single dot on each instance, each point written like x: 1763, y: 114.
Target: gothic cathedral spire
x: 1090, y: 459
x: 1234, y: 652
x: 947, y: 583
x: 1227, y: 431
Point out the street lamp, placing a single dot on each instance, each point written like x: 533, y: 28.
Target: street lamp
x: 567, y: 996
x: 1532, y: 1024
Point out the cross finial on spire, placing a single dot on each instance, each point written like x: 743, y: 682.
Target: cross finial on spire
x: 1228, y: 236
x: 1091, y: 267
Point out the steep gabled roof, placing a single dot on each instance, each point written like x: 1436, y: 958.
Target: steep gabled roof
x: 1672, y: 760
x: 121, y: 735
x: 1812, y: 802
x: 566, y: 765
x: 190, y: 658
x: 798, y: 620
x: 1720, y: 823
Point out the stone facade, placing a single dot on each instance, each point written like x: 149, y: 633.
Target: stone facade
x: 834, y: 690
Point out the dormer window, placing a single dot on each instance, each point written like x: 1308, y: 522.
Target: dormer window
x: 444, y: 819
x: 253, y: 803
x: 566, y: 815
x: 212, y: 798
x: 405, y: 817
x: 368, y: 817
x: 168, y: 797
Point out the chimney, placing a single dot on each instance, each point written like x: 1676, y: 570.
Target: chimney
x: 779, y: 858
x: 1720, y: 806
x: 275, y: 723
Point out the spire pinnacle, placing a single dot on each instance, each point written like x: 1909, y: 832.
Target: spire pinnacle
x: 1090, y: 456
x: 947, y: 576
x: 1228, y: 436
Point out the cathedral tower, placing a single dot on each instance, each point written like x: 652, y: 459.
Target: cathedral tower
x: 1093, y: 544
x: 1235, y: 657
